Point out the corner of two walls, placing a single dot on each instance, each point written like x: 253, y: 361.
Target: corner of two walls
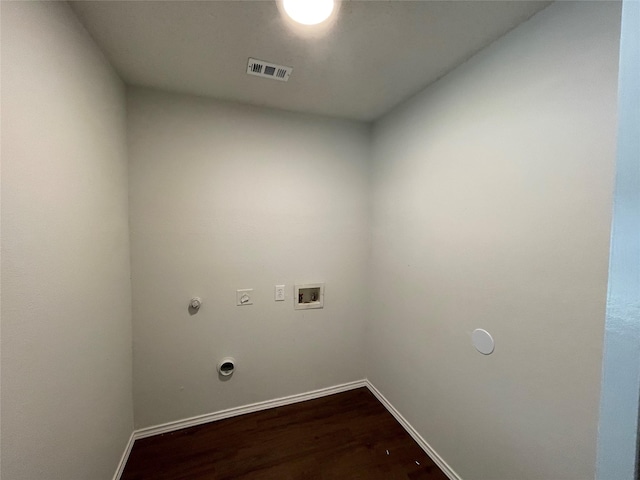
x: 492, y: 196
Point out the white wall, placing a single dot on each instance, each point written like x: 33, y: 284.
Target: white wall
x: 492, y: 207
x: 66, y: 310
x: 226, y: 197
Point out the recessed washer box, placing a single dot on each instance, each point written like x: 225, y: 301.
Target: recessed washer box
x: 308, y: 296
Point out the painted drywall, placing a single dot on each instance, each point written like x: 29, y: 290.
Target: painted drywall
x: 66, y: 313
x: 492, y: 197
x: 226, y: 197
x: 618, y: 427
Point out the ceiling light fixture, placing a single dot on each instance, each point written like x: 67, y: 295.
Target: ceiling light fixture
x: 308, y: 12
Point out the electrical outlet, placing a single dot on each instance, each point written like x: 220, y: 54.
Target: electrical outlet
x: 279, y: 293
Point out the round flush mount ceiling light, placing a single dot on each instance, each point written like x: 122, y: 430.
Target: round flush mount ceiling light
x: 308, y: 12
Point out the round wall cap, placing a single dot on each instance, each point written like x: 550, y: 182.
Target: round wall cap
x: 483, y: 341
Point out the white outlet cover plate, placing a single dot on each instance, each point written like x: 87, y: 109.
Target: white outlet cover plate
x: 279, y: 293
x: 244, y: 297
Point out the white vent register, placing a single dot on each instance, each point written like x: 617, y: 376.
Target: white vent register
x: 260, y: 68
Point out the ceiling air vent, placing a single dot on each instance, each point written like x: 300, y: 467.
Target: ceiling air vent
x: 264, y: 69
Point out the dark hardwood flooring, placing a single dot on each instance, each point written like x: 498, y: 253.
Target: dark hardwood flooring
x: 342, y: 436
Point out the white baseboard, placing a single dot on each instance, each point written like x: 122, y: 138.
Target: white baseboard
x: 437, y: 459
x: 124, y: 458
x: 279, y: 402
x: 254, y: 407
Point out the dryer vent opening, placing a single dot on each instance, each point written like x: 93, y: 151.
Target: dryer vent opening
x: 226, y: 366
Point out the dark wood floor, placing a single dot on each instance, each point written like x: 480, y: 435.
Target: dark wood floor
x: 342, y: 436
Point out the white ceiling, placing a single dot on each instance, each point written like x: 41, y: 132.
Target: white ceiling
x: 377, y: 54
